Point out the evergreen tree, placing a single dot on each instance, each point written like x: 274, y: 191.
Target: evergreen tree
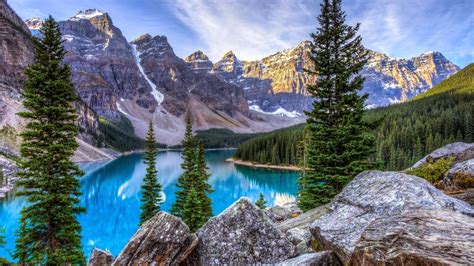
x: 203, y: 187
x: 261, y: 202
x: 339, y: 142
x: 193, y: 183
x: 185, y: 180
x: 151, y: 198
x: 191, y: 217
x: 49, y: 232
x: 2, y: 237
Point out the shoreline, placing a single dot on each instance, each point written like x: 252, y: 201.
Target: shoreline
x: 264, y: 166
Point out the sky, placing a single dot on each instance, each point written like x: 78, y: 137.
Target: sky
x: 253, y: 29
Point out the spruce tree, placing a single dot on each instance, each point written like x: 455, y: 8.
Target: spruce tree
x: 203, y: 187
x: 193, y: 183
x: 185, y: 180
x: 261, y: 202
x: 49, y: 232
x: 339, y: 140
x: 151, y: 195
x: 193, y: 218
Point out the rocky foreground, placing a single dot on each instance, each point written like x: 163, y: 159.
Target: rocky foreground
x: 379, y: 218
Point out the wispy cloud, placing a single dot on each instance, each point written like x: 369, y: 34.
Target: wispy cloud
x: 250, y: 28
x: 402, y: 28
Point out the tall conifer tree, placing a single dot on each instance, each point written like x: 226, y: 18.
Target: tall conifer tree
x: 185, y: 180
x: 151, y: 198
x: 203, y: 187
x: 49, y: 232
x: 339, y: 140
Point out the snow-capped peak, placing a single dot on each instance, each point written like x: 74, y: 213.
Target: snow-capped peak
x: 34, y: 23
x: 87, y: 14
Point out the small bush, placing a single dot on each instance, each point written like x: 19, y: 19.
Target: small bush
x: 463, y: 180
x: 433, y: 171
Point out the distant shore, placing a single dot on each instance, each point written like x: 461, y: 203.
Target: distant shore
x: 266, y: 166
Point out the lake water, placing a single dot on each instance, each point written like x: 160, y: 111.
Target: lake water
x: 111, y: 195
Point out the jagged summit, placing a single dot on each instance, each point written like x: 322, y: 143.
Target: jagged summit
x: 197, y: 55
x: 199, y: 62
x: 34, y: 23
x: 87, y: 14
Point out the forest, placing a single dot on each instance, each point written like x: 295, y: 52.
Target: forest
x: 405, y: 131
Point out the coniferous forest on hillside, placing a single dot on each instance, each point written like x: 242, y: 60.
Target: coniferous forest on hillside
x: 405, y: 132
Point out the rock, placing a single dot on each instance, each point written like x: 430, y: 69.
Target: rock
x: 467, y: 196
x: 100, y: 258
x: 459, y: 177
x: 320, y: 258
x: 302, y: 221
x: 372, y: 195
x: 417, y: 237
x: 293, y: 208
x: 462, y: 151
x: 164, y: 240
x: 242, y: 234
x: 278, y: 214
x: 301, y: 238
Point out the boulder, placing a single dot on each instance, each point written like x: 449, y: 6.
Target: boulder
x: 323, y: 258
x: 278, y: 214
x: 417, y: 237
x: 100, y: 257
x: 162, y: 240
x: 460, y: 150
x: 301, y: 238
x: 459, y: 177
x: 293, y: 208
x: 372, y: 195
x: 467, y: 196
x: 302, y: 221
x: 242, y: 234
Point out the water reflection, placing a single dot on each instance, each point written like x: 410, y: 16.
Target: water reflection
x: 111, y: 194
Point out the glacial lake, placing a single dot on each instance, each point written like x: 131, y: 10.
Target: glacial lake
x: 111, y: 193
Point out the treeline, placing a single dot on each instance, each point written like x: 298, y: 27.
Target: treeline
x: 277, y: 147
x: 222, y: 138
x: 406, y: 132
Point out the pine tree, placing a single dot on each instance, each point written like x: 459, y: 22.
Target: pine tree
x: 203, y: 187
x: 193, y: 183
x: 185, y: 181
x: 340, y: 142
x: 191, y: 217
x: 49, y: 232
x: 261, y: 202
x: 151, y: 198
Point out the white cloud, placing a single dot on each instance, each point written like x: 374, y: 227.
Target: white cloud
x: 250, y: 28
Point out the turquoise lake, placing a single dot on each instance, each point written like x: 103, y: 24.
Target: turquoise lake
x: 111, y: 195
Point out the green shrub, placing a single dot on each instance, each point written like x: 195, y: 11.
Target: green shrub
x: 432, y: 171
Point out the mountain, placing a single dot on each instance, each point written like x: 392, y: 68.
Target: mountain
x: 277, y: 83
x: 407, y: 131
x: 129, y: 84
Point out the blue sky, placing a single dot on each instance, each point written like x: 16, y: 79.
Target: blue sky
x: 256, y: 28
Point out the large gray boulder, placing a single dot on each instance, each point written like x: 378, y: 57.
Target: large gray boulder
x: 417, y: 237
x: 100, y: 257
x: 301, y: 238
x: 162, y: 240
x: 323, y: 258
x: 372, y: 195
x: 242, y: 234
x: 459, y: 177
x: 460, y: 150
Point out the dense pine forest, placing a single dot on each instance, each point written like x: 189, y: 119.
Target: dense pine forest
x: 406, y: 131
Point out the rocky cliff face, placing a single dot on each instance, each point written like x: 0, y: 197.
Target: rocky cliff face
x: 15, y: 54
x: 103, y: 66
x: 279, y: 81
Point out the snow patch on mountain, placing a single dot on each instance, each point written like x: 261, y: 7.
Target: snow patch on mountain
x: 159, y: 97
x: 87, y: 14
x: 280, y: 111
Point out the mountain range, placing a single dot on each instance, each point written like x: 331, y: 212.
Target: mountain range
x: 130, y: 83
